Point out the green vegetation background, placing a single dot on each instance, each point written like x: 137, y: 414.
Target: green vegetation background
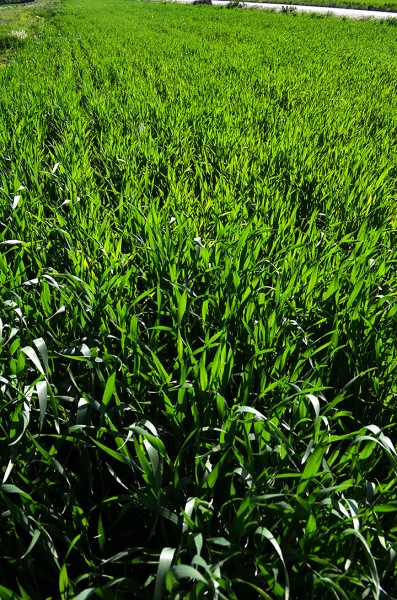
x: 198, y: 306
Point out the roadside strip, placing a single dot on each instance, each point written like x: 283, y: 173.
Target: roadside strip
x: 325, y: 10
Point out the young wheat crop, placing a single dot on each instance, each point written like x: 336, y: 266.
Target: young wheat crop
x: 198, y: 306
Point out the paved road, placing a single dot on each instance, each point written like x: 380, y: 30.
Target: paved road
x: 340, y: 12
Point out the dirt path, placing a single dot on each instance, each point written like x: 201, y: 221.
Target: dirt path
x: 325, y: 10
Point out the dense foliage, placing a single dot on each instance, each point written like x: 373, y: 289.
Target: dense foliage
x: 198, y: 306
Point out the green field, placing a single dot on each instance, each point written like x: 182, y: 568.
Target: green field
x: 198, y: 306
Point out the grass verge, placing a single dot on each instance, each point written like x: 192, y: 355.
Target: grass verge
x: 352, y: 4
x: 20, y: 21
